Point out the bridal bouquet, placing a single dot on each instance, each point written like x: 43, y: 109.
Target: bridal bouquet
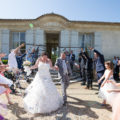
x: 26, y: 63
x: 26, y: 66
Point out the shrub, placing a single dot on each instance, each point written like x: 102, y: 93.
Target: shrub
x: 5, y: 61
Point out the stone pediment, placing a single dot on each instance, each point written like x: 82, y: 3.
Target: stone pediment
x: 52, y: 16
x: 52, y: 20
x: 52, y: 24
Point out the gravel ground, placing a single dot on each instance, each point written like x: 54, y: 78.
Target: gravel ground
x: 82, y: 105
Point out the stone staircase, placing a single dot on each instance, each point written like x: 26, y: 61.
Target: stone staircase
x: 56, y: 78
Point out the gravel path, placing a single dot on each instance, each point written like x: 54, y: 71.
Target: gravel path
x: 82, y: 105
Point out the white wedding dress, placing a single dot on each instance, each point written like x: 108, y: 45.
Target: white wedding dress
x: 42, y: 95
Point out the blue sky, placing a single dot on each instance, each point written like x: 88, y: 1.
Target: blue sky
x: 82, y: 10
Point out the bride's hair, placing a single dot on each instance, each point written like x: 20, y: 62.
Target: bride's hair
x: 44, y: 53
x: 110, y: 64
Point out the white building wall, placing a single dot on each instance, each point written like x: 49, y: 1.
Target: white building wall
x: 110, y: 43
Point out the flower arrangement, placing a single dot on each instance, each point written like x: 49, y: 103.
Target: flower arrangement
x: 26, y: 63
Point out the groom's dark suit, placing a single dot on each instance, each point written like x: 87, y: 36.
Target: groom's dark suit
x: 100, y: 68
x: 64, y: 76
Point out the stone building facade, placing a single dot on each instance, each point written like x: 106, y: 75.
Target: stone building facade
x: 54, y: 33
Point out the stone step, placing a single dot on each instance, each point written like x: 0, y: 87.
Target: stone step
x: 71, y: 78
x: 54, y: 76
x: 54, y: 73
x: 56, y: 79
x: 71, y: 81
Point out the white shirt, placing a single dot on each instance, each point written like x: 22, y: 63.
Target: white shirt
x: 71, y: 56
x: 64, y: 67
x: 115, y: 62
x: 12, y: 62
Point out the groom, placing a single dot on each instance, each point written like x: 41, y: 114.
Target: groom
x: 63, y: 66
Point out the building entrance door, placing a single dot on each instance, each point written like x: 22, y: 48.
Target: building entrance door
x: 52, y: 45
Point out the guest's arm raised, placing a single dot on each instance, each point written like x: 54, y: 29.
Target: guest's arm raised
x: 18, y: 48
x: 36, y: 64
x: 94, y: 50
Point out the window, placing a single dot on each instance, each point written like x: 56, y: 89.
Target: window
x: 86, y: 40
x: 17, y: 39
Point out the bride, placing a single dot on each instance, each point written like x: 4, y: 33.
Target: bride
x: 42, y: 95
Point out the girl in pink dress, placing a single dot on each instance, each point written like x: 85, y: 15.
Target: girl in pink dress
x: 108, y: 75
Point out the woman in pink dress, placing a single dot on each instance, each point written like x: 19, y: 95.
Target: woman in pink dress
x: 4, y: 82
x: 110, y: 91
x: 116, y: 101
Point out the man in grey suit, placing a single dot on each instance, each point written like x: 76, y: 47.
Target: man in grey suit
x: 63, y: 66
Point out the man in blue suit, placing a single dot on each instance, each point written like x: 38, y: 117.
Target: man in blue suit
x: 99, y: 64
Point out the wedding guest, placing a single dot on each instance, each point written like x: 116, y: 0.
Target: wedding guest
x: 33, y: 55
x: 99, y: 65
x: 12, y: 62
x: 5, y: 83
x: 116, y: 68
x: 82, y: 61
x: 36, y: 53
x: 116, y: 100
x: 19, y: 58
x: 67, y: 55
x: 79, y: 61
x: 72, y: 59
x: 30, y: 55
x: 119, y: 68
x: 88, y: 71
